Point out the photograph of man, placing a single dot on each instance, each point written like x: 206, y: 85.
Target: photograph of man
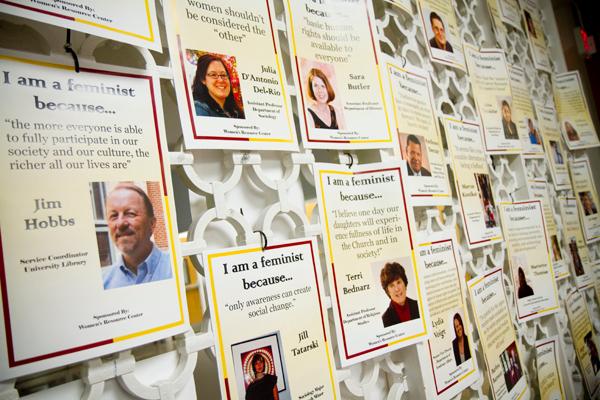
x: 524, y: 289
x: 577, y: 264
x: 510, y: 366
x: 558, y: 157
x: 593, y: 350
x: 587, y: 203
x: 508, y: 126
x: 414, y: 153
x: 131, y: 222
x: 402, y: 308
x: 460, y: 344
x: 572, y: 134
x: 534, y: 136
x: 438, y: 41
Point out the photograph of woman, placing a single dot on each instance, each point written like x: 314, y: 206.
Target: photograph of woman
x: 212, y: 89
x: 524, y: 289
x: 572, y: 134
x: 321, y: 94
x: 460, y: 344
x: 263, y: 385
x: 402, y: 308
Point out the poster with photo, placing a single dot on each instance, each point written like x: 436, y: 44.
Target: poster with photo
x: 555, y: 152
x: 262, y: 349
x: 488, y: 73
x: 575, y: 244
x: 538, y: 189
x: 416, y: 123
x: 377, y: 292
x: 473, y: 183
x: 442, y: 32
x: 341, y: 103
x: 587, y: 198
x: 535, y: 34
x: 403, y: 4
x: 524, y: 117
x: 88, y: 215
x: 497, y: 335
x: 596, y: 272
x: 228, y: 72
x: 574, y: 116
x: 132, y: 21
x: 528, y: 251
x: 447, y: 359
x: 498, y: 26
x: 585, y: 341
x: 547, y: 362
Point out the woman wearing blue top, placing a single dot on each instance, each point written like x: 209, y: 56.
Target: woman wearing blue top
x: 211, y: 89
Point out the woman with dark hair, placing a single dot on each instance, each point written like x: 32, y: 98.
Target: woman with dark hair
x: 524, y: 289
x: 394, y: 283
x: 263, y: 386
x: 321, y: 93
x: 572, y: 134
x: 460, y: 344
x: 211, y: 89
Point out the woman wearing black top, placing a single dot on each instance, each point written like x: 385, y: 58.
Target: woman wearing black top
x: 321, y: 93
x: 264, y: 386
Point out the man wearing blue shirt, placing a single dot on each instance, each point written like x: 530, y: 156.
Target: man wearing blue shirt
x: 131, y: 222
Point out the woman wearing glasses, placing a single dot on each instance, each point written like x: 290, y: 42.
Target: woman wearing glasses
x: 211, y: 89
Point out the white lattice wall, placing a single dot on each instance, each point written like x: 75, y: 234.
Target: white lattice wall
x: 223, y: 196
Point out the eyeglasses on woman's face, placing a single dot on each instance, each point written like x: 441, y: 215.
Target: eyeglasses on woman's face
x: 213, y: 75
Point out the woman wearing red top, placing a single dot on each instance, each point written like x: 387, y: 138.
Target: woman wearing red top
x: 401, y: 308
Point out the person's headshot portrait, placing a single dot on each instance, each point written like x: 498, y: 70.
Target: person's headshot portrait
x: 577, y: 264
x: 593, y: 352
x: 556, y: 154
x: 555, y: 248
x: 439, y: 41
x: 529, y: 23
x: 587, y: 203
x: 572, y: 134
x: 263, y: 385
x: 534, y: 136
x: 415, y: 155
x: 395, y: 283
x: 508, y: 126
x: 320, y: 92
x: 524, y: 289
x: 131, y: 221
x: 212, y: 89
x: 460, y: 343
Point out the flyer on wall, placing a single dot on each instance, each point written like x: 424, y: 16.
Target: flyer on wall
x: 596, y: 272
x: 228, y: 72
x: 252, y: 292
x: 574, y: 115
x: 585, y: 341
x: 528, y: 251
x: 473, y: 183
x: 524, y: 117
x: 500, y: 30
x: 377, y: 294
x: 497, y: 335
x: 510, y: 12
x: 132, y: 21
x: 88, y: 215
x: 555, y: 153
x: 411, y: 102
x: 538, y: 189
x: 441, y: 32
x: 488, y: 73
x: 341, y: 103
x: 574, y: 243
x: 448, y: 358
x: 587, y: 198
x: 535, y: 33
x: 403, y: 4
x: 548, y: 369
